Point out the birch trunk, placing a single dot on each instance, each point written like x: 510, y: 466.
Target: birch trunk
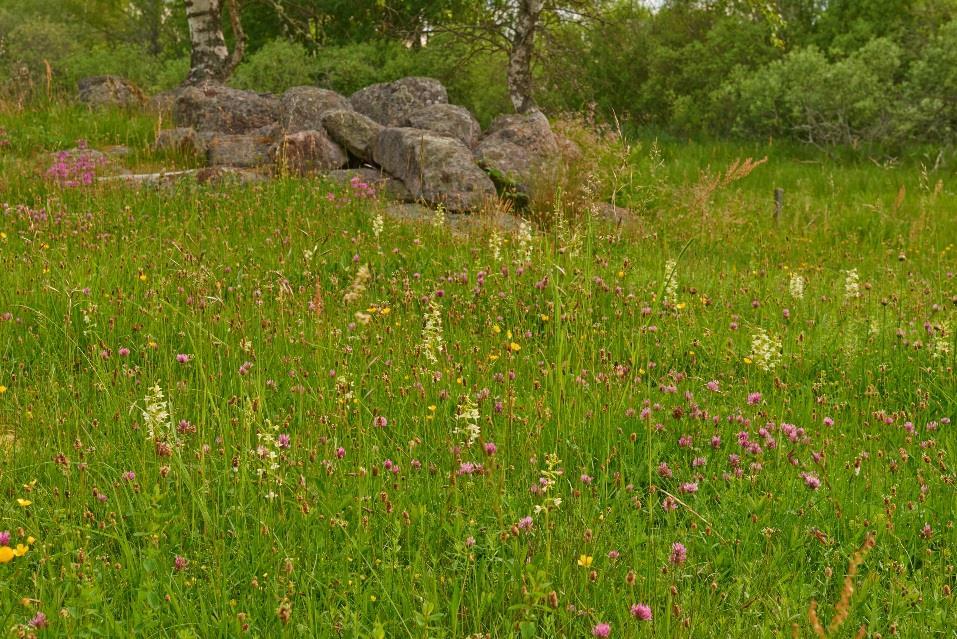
x: 520, y: 55
x: 209, y: 57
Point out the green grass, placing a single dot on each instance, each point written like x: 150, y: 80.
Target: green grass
x: 319, y: 545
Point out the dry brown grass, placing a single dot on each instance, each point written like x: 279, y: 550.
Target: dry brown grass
x: 842, y: 609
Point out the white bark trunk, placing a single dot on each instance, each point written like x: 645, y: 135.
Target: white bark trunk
x: 209, y: 57
x: 520, y: 55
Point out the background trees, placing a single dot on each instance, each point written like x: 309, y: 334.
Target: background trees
x: 685, y: 66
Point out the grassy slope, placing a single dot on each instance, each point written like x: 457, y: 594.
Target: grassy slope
x: 224, y: 276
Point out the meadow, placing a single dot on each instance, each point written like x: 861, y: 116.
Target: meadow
x: 273, y: 410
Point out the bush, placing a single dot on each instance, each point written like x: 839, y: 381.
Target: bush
x: 805, y: 96
x: 131, y: 61
x: 348, y: 68
x: 931, y: 89
x: 27, y: 49
x: 277, y: 66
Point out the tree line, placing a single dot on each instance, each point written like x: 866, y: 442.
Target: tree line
x: 826, y: 72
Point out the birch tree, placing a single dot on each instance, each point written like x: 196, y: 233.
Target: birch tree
x: 522, y: 47
x: 210, y: 59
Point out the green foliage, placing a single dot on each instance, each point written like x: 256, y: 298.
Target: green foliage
x: 277, y: 66
x: 804, y: 95
x: 131, y: 61
x: 28, y: 46
x: 931, y: 89
x: 350, y: 67
x: 876, y: 73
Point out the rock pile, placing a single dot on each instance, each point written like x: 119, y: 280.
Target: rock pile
x: 403, y: 134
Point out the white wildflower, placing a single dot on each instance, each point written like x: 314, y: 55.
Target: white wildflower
x: 940, y: 343
x: 156, y: 417
x: 378, y: 224
x: 432, y: 341
x: 765, y: 350
x: 438, y: 216
x: 525, y: 242
x: 671, y: 281
x: 796, y: 286
x: 468, y: 416
x: 495, y: 244
x: 852, y: 284
x: 358, y: 286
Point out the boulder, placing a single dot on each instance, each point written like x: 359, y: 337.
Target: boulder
x: 162, y: 103
x: 307, y: 151
x: 302, y: 108
x: 182, y: 140
x: 449, y: 120
x: 435, y: 169
x: 356, y: 132
x: 214, y: 107
x: 238, y: 150
x: 110, y: 90
x: 519, y: 147
x: 391, y: 103
x: 380, y: 183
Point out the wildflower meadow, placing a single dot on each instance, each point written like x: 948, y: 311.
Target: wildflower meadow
x: 275, y: 409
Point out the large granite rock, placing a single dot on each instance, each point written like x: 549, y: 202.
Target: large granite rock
x: 306, y: 152
x: 109, y: 90
x: 182, y: 140
x: 519, y: 147
x: 435, y: 169
x: 449, y: 120
x: 356, y: 132
x: 391, y: 103
x: 214, y: 107
x: 239, y: 150
x: 302, y: 108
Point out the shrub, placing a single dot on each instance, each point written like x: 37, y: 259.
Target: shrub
x: 27, y: 48
x: 931, y: 89
x: 277, y: 66
x: 130, y: 61
x: 804, y: 95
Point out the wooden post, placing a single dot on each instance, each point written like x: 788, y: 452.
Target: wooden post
x: 778, y: 203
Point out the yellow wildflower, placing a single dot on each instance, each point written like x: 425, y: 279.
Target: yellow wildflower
x: 24, y: 502
x: 585, y: 561
x: 6, y: 554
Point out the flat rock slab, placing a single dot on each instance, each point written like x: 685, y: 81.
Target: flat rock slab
x: 243, y: 151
